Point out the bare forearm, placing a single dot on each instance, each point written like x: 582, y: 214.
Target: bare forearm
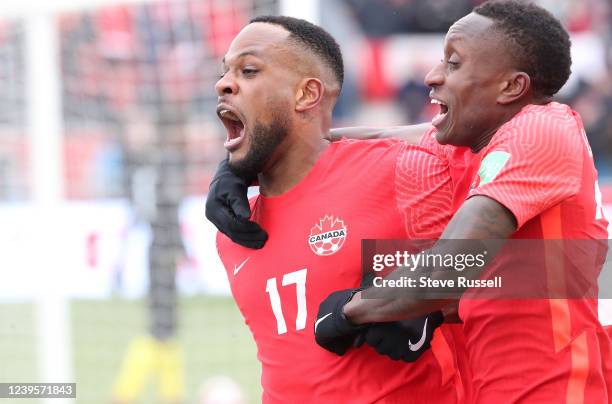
x: 480, y: 225
x: 411, y: 133
x: 362, y: 311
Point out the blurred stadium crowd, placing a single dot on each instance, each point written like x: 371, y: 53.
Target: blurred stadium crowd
x: 139, y: 79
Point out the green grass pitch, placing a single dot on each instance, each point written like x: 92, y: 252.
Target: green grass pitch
x: 211, y: 333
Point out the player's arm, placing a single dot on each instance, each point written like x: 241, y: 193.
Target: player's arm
x: 480, y: 218
x: 451, y: 313
x: 411, y: 133
x: 519, y: 180
x: 481, y: 223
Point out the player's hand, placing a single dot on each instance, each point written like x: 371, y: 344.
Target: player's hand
x: 227, y: 207
x: 403, y: 340
x: 333, y: 331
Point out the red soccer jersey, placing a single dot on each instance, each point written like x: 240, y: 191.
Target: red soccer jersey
x: 463, y: 165
x: 540, y: 167
x: 356, y: 190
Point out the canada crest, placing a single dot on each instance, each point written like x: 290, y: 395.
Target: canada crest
x: 327, y: 236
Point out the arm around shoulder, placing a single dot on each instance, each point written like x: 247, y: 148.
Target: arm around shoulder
x: 411, y: 133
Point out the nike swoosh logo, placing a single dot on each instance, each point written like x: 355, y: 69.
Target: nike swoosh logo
x: 418, y: 345
x: 321, y: 319
x: 239, y: 267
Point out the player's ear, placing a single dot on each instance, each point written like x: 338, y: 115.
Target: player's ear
x: 514, y: 87
x: 309, y: 94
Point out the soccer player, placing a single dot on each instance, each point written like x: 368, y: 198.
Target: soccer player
x: 281, y: 77
x: 536, y: 180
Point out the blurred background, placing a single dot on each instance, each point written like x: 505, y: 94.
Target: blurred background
x: 109, y: 275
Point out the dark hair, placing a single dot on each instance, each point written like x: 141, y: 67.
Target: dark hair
x: 313, y: 38
x: 541, y: 44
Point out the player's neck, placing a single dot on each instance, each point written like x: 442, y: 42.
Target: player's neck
x: 294, y: 160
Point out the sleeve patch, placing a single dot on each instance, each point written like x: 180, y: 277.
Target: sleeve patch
x: 492, y: 165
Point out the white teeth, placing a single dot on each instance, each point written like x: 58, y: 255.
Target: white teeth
x: 226, y: 113
x: 433, y: 101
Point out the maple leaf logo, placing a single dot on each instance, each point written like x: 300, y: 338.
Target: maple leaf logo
x: 327, y: 237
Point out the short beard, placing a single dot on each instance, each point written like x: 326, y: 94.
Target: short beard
x: 264, y: 141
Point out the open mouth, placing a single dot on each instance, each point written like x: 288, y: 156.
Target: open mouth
x: 234, y: 126
x: 439, y: 118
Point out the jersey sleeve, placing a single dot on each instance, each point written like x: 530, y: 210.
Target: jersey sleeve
x: 423, y: 190
x: 532, y: 167
x: 429, y: 143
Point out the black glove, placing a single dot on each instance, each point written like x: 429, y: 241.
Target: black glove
x: 333, y: 331
x: 227, y: 207
x: 406, y: 340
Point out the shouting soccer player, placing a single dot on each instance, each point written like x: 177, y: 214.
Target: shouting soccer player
x: 281, y: 77
x: 536, y: 180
